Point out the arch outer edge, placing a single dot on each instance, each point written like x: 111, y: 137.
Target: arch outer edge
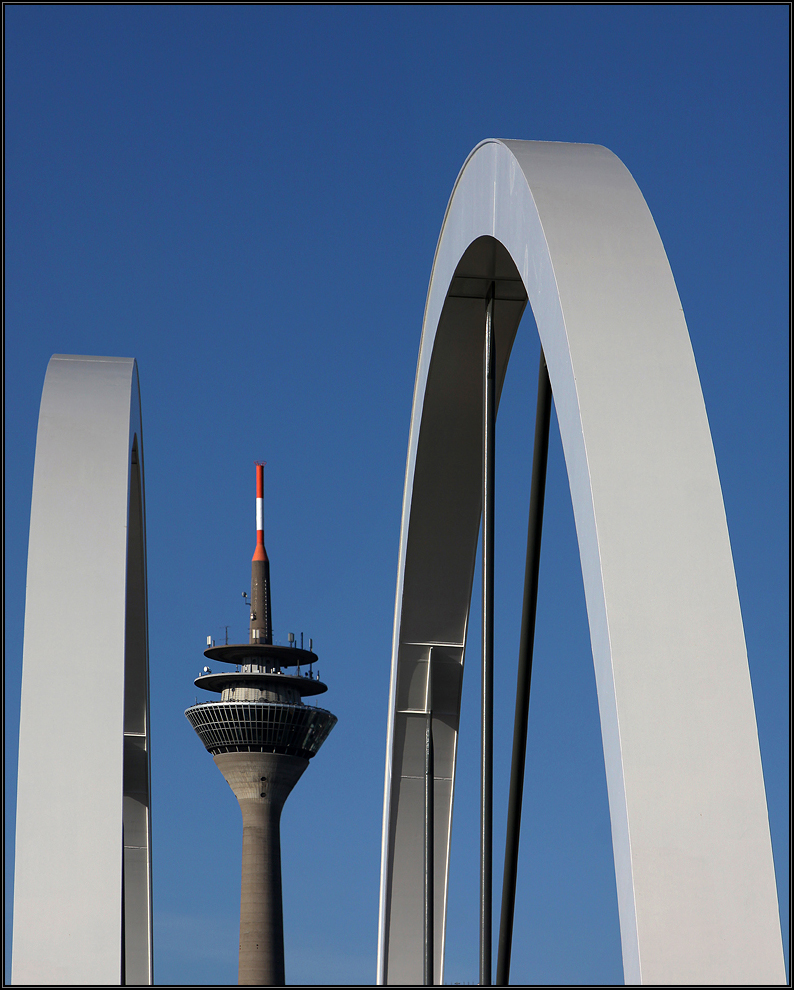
x: 693, y: 860
x: 83, y: 831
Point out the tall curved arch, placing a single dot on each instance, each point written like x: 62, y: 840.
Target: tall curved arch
x: 565, y: 228
x: 82, y: 890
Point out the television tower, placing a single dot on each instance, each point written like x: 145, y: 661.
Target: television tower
x: 261, y: 736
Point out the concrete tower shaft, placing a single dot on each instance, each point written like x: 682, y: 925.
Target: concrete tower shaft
x: 261, y: 783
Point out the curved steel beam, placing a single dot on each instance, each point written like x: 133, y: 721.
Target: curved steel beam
x: 82, y: 890
x: 566, y: 228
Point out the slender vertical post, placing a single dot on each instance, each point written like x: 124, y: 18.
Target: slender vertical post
x: 486, y: 786
x: 261, y: 630
x: 429, y: 830
x: 529, y: 611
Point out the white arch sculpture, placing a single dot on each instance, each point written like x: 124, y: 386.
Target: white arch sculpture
x: 565, y: 227
x: 82, y: 883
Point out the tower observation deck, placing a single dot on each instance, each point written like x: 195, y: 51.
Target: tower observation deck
x: 261, y: 735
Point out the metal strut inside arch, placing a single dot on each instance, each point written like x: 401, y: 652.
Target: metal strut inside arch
x: 565, y: 228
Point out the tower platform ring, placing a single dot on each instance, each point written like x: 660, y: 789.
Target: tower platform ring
x: 261, y: 726
x: 285, y: 656
x: 305, y: 686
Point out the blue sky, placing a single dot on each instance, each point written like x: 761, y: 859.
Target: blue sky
x: 247, y: 200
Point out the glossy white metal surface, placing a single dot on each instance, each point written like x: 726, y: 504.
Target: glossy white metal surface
x: 83, y: 834
x: 566, y: 227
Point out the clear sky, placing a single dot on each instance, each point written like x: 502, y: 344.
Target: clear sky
x: 247, y: 200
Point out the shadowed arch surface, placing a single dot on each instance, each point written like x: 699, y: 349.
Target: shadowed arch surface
x: 565, y: 228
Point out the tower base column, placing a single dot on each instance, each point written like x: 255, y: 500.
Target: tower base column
x: 261, y: 783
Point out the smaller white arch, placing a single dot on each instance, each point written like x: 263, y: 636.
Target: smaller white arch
x: 82, y: 884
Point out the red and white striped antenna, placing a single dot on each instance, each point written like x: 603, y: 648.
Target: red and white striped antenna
x: 260, y: 553
x: 261, y: 624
